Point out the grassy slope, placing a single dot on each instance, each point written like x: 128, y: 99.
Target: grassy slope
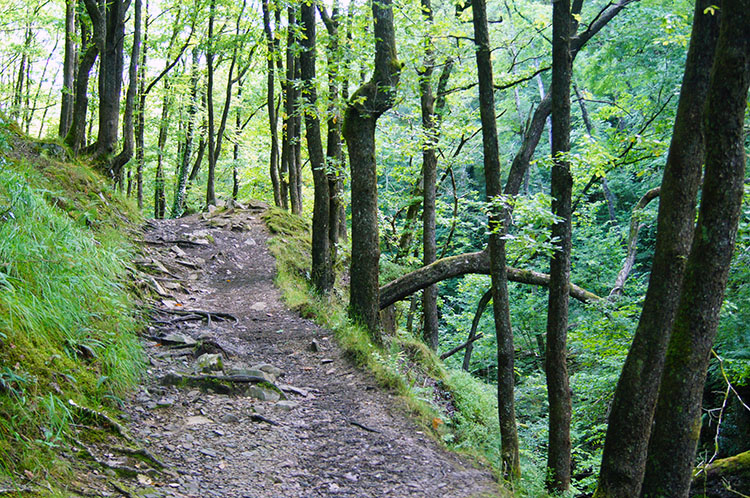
x: 453, y: 406
x: 67, y: 319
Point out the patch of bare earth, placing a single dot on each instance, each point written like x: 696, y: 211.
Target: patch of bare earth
x: 330, y: 431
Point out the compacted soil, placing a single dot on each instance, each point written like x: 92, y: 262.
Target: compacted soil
x: 318, y: 427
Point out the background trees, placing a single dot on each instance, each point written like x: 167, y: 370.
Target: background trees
x: 210, y: 74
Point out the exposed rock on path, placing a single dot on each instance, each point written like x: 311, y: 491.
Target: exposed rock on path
x: 307, y: 424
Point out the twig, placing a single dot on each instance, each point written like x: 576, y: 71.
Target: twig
x: 362, y: 426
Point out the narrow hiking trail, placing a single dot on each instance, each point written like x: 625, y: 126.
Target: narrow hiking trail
x: 335, y: 434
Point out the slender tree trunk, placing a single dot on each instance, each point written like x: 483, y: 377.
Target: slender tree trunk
x: 210, y: 190
x: 677, y: 421
x: 367, y: 104
x: 274, y: 160
x: 556, y: 358
x: 77, y: 132
x: 429, y: 174
x: 498, y: 274
x: 127, y: 128
x: 322, y: 268
x: 626, y: 443
x: 159, y: 182
x: 69, y: 67
x: 178, y: 208
x: 236, y: 147
x: 140, y: 118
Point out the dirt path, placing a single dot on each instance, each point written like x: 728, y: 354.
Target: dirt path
x: 337, y: 434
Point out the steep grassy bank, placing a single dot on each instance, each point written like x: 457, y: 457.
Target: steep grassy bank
x: 67, y: 319
x: 455, y: 407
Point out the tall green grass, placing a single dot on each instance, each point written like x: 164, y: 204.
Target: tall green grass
x: 67, y: 319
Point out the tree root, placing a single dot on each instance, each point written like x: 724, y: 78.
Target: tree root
x: 102, y: 419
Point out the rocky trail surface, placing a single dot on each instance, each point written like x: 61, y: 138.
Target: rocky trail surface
x: 246, y: 399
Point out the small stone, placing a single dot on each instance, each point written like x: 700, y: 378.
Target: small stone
x: 325, y: 361
x: 315, y: 346
x: 210, y: 362
x: 259, y: 306
x: 198, y: 420
x: 179, y: 339
x: 351, y: 477
x: 287, y: 405
x: 229, y: 418
x: 276, y: 372
x: 263, y: 394
x: 208, y: 452
x: 165, y: 402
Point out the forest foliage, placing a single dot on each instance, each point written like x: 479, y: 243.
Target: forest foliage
x: 216, y: 72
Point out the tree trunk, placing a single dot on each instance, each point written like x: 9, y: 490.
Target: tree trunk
x: 126, y: 154
x: 481, y: 306
x: 210, y: 190
x: 160, y: 201
x: 69, y: 68
x: 677, y: 420
x: 140, y: 119
x: 556, y: 357
x: 498, y: 273
x: 367, y: 104
x: 77, y: 132
x: 274, y: 160
x: 178, y: 207
x: 322, y: 268
x: 626, y: 443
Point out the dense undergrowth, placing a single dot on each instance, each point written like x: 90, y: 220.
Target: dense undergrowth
x: 67, y: 320
x: 457, y: 408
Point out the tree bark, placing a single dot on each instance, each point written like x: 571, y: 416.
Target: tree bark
x: 178, y: 207
x: 367, y: 104
x: 322, y: 268
x: 481, y: 306
x: 210, y: 189
x: 556, y: 356
x: 119, y: 161
x: 77, y: 132
x: 69, y: 68
x: 497, y: 225
x: 677, y: 420
x: 626, y: 443
x: 273, y: 165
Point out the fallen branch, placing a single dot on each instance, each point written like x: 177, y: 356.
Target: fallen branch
x: 462, y: 346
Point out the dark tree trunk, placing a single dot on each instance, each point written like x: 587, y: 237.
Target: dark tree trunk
x: 322, y: 269
x: 140, y: 121
x: 625, y: 447
x: 69, y: 70
x: 160, y: 202
x: 334, y: 152
x: 119, y: 161
x: 498, y: 274
x: 270, y: 104
x: 210, y: 189
x: 108, y: 21
x: 429, y: 174
x: 677, y: 420
x: 367, y: 104
x: 291, y: 133
x: 556, y: 357
x: 77, y: 132
x: 236, y: 148
x: 481, y: 306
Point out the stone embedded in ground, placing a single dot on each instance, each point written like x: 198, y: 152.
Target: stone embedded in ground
x: 287, y: 405
x: 198, y: 420
x: 314, y: 346
x: 263, y: 394
x: 276, y: 372
x: 177, y: 338
x: 259, y: 306
x: 251, y: 372
x: 210, y: 362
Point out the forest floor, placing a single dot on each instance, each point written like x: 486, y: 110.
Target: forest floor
x: 319, y: 426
